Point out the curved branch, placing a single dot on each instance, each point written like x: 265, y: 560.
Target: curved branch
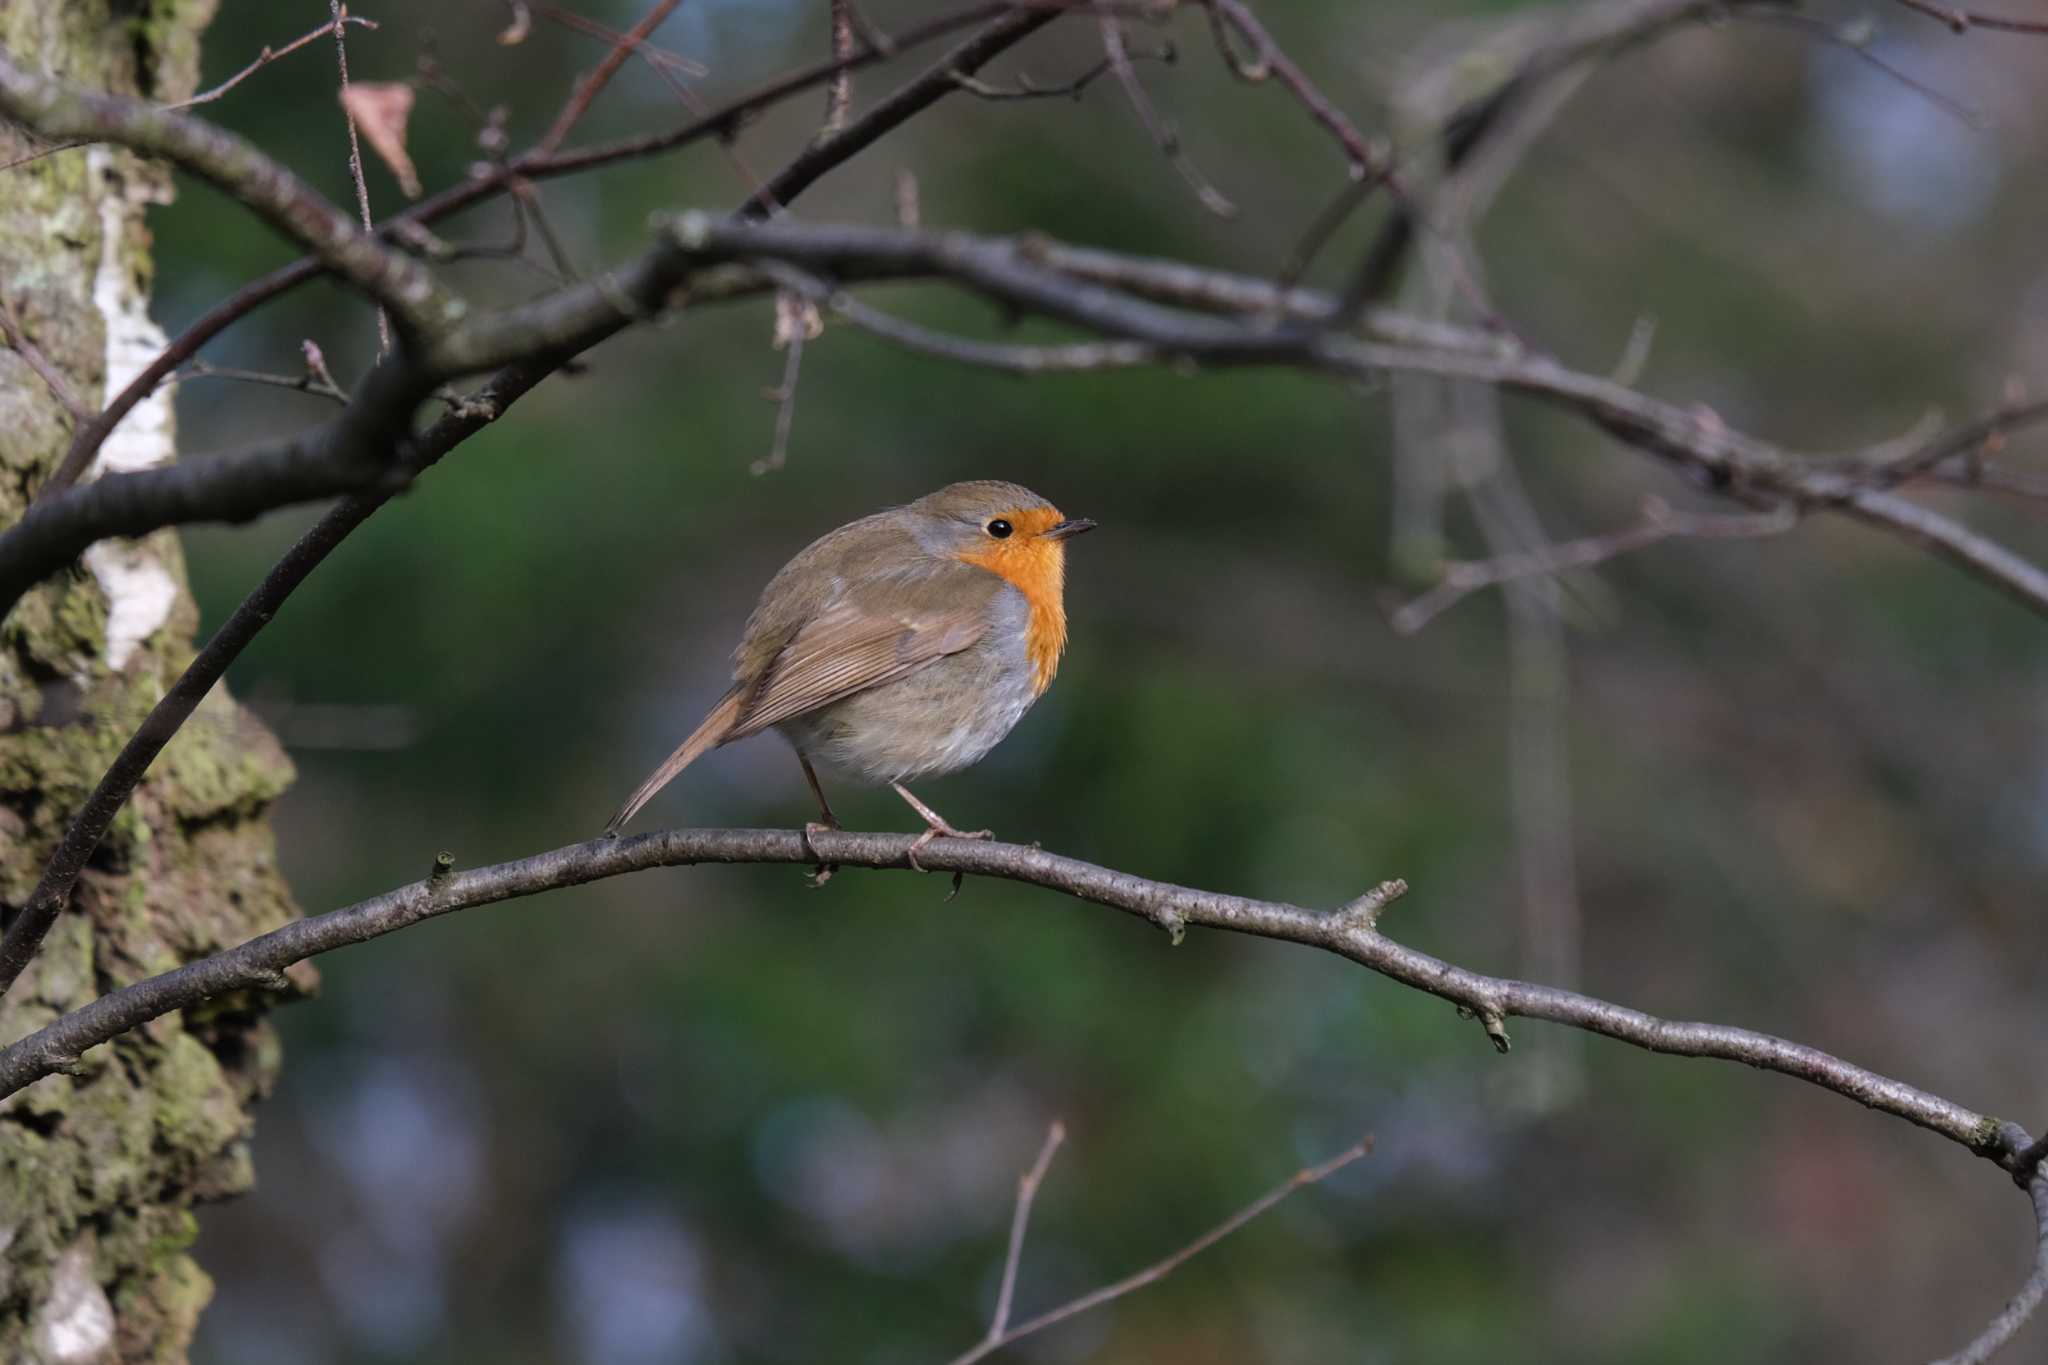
x: 538, y: 163
x: 940, y: 80
x: 2014, y: 1316
x: 354, y: 449
x: 1349, y: 932
x: 719, y: 259
x: 82, y: 836
x: 56, y: 111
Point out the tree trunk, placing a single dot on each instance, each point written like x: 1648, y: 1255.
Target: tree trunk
x: 99, y: 1171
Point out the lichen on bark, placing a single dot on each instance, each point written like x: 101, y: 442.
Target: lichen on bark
x: 99, y: 1171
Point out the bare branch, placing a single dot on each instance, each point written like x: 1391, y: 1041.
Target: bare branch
x: 1491, y: 1000
x: 796, y: 321
x: 319, y: 387
x: 1855, y: 40
x: 267, y: 56
x: 1984, y: 436
x: 1020, y: 1220
x: 287, y: 203
x: 355, y: 149
x: 1019, y: 273
x: 1070, y: 358
x: 659, y: 58
x: 263, y: 59
x: 1007, y: 30
x: 1011, y: 24
x: 839, y: 91
x: 2023, y: 1305
x: 15, y: 337
x: 1366, y: 158
x: 599, y: 76
x: 1162, y: 133
x: 1994, y: 478
x: 1659, y: 522
x: 1963, y: 20
x: 82, y: 836
x: 1165, y: 1266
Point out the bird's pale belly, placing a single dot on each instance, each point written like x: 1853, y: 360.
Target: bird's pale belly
x: 939, y: 719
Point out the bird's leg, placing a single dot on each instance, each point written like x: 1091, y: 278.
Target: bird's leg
x: 824, y: 870
x: 935, y: 826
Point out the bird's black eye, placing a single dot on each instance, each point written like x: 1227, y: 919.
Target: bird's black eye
x: 999, y: 528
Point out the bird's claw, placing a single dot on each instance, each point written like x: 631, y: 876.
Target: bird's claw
x: 822, y: 872
x: 942, y: 831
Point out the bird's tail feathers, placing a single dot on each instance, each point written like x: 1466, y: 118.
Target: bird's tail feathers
x: 715, y: 730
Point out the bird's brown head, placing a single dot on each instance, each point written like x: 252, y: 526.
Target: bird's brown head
x: 1019, y: 536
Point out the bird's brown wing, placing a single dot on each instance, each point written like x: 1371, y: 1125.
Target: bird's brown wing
x: 854, y: 645
x: 798, y: 655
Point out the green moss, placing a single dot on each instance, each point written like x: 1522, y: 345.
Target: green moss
x: 157, y: 1119
x: 222, y: 763
x: 196, y: 1110
x: 182, y: 1232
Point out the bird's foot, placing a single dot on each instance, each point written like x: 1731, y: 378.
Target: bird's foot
x: 937, y: 828
x: 821, y: 873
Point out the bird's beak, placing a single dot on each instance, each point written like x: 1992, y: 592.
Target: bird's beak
x: 1072, y: 526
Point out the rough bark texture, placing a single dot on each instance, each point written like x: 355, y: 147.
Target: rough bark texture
x: 99, y: 1171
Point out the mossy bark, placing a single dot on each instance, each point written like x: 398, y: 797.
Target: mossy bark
x: 99, y: 1172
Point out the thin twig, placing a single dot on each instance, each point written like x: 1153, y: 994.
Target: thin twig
x: 1020, y: 1221
x: 1993, y: 478
x: 839, y: 91
x: 1162, y: 133
x: 16, y: 338
x: 355, y: 150
x: 316, y: 366
x: 1982, y: 436
x: 784, y: 398
x: 304, y: 383
x: 1028, y: 89
x: 1011, y: 24
x: 1853, y: 41
x: 1072, y: 357
x: 1366, y: 159
x: 2015, y: 1314
x: 599, y: 76
x: 526, y: 197
x: 1963, y: 20
x: 657, y: 57
x: 263, y: 59
x: 1160, y: 1269
x: 1635, y: 355
x: 1660, y: 522
x: 266, y: 57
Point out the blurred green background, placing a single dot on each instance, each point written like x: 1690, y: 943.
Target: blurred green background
x: 711, y: 1115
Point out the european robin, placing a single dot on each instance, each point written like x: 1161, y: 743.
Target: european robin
x: 902, y: 645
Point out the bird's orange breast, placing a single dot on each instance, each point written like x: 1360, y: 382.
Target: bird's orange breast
x: 1037, y: 568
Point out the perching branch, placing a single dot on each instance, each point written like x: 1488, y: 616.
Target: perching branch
x: 1351, y: 932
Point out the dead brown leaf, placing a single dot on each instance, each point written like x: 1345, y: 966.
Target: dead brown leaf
x: 380, y: 110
